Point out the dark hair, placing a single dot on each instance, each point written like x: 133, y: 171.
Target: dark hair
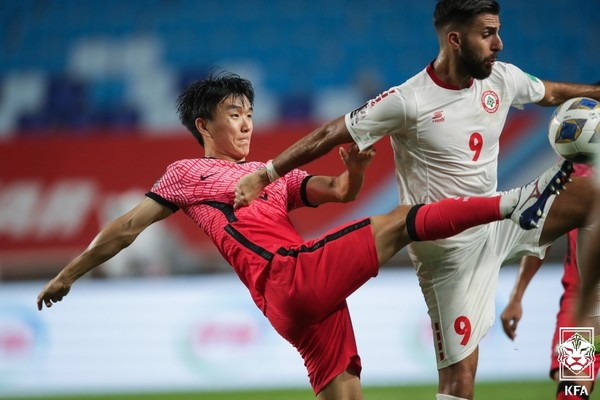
x: 462, y: 12
x: 201, y: 98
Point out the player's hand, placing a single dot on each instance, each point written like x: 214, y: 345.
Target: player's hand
x: 510, y: 318
x: 356, y: 160
x: 249, y: 187
x: 53, y: 292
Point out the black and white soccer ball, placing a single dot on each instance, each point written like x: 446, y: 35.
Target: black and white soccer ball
x: 574, y: 130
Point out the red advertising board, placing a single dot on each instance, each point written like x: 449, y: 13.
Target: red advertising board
x: 56, y: 192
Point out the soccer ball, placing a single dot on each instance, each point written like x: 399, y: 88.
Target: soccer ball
x: 574, y: 130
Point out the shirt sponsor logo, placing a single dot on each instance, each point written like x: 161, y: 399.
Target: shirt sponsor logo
x: 438, y: 116
x: 490, y: 101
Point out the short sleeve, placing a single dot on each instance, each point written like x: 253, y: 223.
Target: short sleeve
x: 387, y: 114
x: 169, y: 189
x: 296, y: 181
x: 526, y: 88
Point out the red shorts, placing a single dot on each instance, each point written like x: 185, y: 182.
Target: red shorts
x: 564, y: 318
x: 306, y: 290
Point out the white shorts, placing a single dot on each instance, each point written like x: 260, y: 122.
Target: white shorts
x: 458, y: 277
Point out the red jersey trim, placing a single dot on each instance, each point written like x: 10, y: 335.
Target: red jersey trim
x: 441, y: 83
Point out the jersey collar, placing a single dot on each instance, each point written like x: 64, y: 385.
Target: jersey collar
x: 215, y: 158
x: 439, y: 82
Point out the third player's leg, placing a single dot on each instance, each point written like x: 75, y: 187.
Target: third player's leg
x: 570, y: 210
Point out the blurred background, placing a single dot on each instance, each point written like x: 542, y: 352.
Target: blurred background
x: 88, y: 124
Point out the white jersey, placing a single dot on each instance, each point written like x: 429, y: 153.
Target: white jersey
x: 445, y: 139
x: 446, y: 143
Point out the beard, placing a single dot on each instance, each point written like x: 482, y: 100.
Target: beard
x: 475, y: 66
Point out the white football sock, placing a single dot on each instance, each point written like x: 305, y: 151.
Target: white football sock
x: 508, y: 201
x: 440, y: 396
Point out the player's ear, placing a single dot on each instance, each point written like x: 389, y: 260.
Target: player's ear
x: 202, y: 127
x: 453, y: 39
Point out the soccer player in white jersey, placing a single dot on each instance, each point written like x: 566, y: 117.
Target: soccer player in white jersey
x: 445, y: 124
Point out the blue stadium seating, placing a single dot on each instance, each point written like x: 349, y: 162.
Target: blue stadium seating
x: 300, y: 47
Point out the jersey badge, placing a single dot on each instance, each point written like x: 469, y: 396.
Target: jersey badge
x: 490, y: 101
x: 438, y: 116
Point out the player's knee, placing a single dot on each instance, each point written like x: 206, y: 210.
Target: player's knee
x: 397, y: 220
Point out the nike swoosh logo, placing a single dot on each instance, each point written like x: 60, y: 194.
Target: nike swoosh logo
x: 205, y: 177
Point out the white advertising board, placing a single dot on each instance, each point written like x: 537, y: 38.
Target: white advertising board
x: 201, y: 333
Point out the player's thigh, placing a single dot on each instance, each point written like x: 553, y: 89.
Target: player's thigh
x: 458, y: 278
x: 461, y: 314
x: 312, y: 278
x: 569, y: 210
x: 389, y: 232
x: 328, y: 346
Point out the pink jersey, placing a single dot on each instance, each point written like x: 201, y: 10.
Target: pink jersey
x: 247, y: 238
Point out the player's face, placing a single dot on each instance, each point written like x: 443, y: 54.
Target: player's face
x: 480, y: 46
x: 231, y: 129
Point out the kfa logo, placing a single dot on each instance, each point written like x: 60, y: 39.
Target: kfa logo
x: 490, y: 101
x: 576, y: 354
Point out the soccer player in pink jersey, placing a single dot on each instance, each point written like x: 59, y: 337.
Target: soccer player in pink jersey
x: 444, y: 124
x: 513, y: 312
x: 300, y: 286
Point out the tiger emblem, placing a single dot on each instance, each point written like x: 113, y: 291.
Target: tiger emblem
x: 576, y: 353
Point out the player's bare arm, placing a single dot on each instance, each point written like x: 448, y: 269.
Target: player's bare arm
x: 117, y: 235
x: 559, y: 92
x: 345, y: 187
x: 317, y: 143
x: 513, y: 311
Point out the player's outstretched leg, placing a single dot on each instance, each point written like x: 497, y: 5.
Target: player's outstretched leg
x: 532, y: 197
x: 449, y: 217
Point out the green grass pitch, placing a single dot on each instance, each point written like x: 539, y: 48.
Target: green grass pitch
x: 542, y: 390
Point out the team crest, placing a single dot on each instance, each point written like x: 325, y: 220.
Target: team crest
x: 490, y: 101
x: 576, y: 354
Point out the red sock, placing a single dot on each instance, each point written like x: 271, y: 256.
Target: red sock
x: 448, y: 217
